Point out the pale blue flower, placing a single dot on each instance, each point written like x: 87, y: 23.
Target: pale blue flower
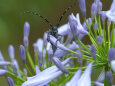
x: 3, y: 63
x: 37, y: 70
x: 2, y: 72
x: 22, y: 53
x: 86, y: 77
x: 57, y: 44
x: 111, y: 13
x: 113, y: 65
x: 10, y: 81
x: 11, y: 52
x: 111, y: 54
x: 84, y: 80
x: 109, y: 77
x: 100, y: 84
x: 60, y: 53
x: 93, y: 51
x: 45, y: 76
x: 26, y: 29
x: 101, y: 77
x: 58, y: 64
x: 74, y: 79
x: 39, y: 45
x: 25, y: 71
x: 66, y: 30
x: 82, y: 6
x: 76, y: 26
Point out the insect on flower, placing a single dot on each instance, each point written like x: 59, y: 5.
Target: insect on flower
x: 54, y: 29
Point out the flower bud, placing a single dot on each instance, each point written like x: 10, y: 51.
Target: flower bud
x: 94, y: 10
x: 25, y: 71
x: 93, y: 51
x: 26, y: 42
x: 99, y: 40
x: 96, y: 25
x: 26, y: 29
x: 22, y: 53
x: 111, y: 54
x: 61, y: 67
x: 10, y: 81
x: 11, y: 52
x: 103, y: 16
x: 82, y: 7
x: 109, y: 77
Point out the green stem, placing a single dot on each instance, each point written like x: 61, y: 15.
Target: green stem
x: 28, y: 69
x: 100, y: 28
x: 22, y: 74
x: 30, y: 60
x: 15, y: 77
x: 112, y: 38
x: 108, y: 36
x: 84, y: 46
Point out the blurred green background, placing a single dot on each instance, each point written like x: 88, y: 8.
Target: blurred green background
x: 12, y: 19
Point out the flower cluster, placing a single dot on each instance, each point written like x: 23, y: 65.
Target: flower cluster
x: 69, y: 62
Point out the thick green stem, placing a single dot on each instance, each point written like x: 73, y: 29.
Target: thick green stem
x: 28, y: 70
x: 15, y: 77
x: 109, y: 36
x: 30, y: 60
x: 112, y: 38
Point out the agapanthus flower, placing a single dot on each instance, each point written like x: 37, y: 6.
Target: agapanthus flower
x: 45, y: 76
x: 11, y: 52
x: 96, y: 8
x: 2, y: 72
x: 111, y: 54
x: 22, y: 53
x: 109, y: 77
x: 58, y: 64
x: 84, y: 80
x: 113, y: 65
x: 111, y: 12
x: 82, y: 6
x: 10, y: 81
x: 66, y: 30
x: 26, y: 34
x: 76, y: 26
x: 55, y: 62
x: 3, y: 63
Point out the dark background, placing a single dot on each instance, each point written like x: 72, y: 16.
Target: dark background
x: 12, y: 19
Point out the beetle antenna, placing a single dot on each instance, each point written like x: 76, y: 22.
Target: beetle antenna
x: 64, y: 13
x: 37, y: 14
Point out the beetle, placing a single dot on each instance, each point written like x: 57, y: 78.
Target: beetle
x: 54, y: 29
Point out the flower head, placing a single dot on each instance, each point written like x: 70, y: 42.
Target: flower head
x: 84, y: 80
x: 45, y: 76
x: 111, y: 12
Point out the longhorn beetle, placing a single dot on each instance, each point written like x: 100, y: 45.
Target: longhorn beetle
x: 53, y: 31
